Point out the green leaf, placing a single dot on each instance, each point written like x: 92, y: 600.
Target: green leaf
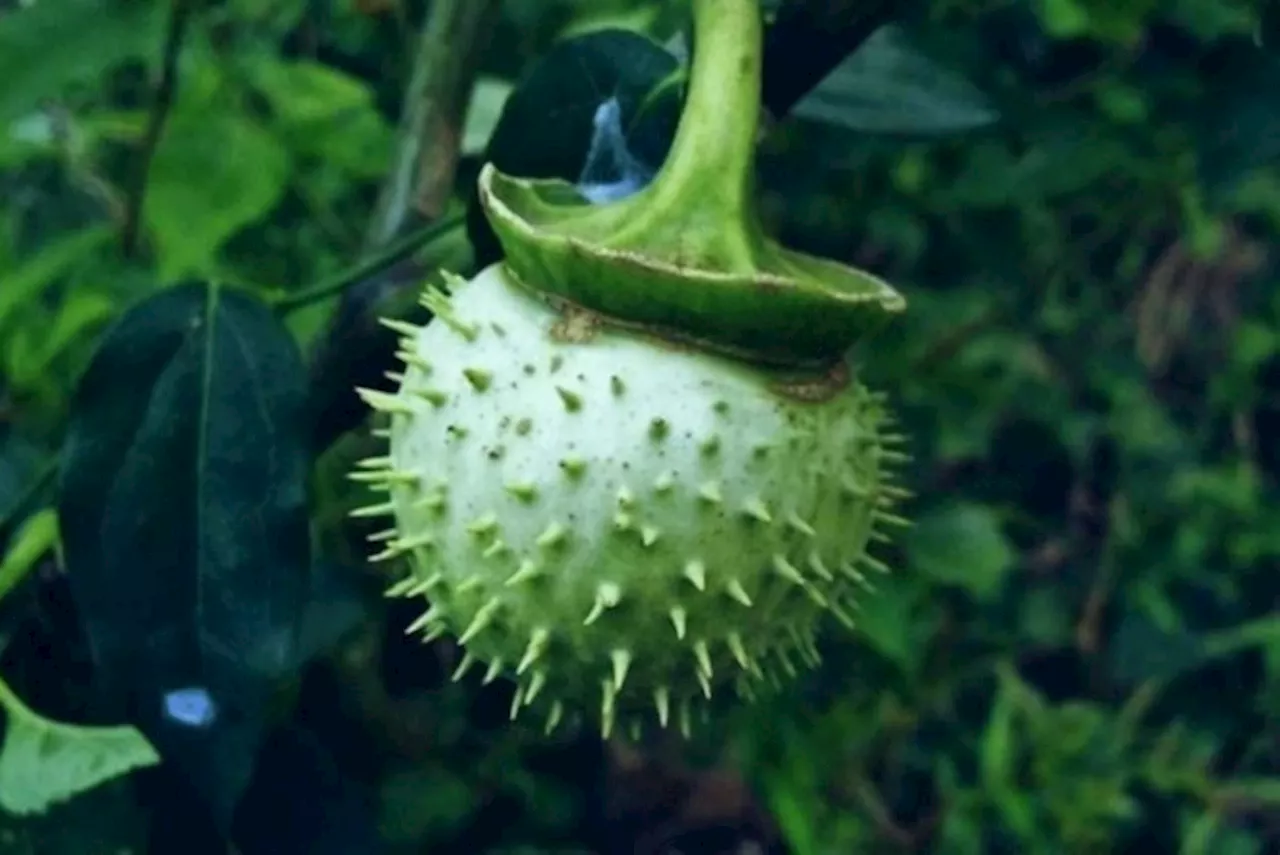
x: 1259, y: 791
x: 326, y: 114
x: 899, y: 627
x: 888, y: 87
x: 962, y: 545
x: 214, y: 173
x: 44, y: 762
x: 48, y: 47
x: 184, y: 516
x: 1238, y: 131
x: 488, y: 98
x: 37, y: 536
x: 18, y: 287
x: 1143, y: 649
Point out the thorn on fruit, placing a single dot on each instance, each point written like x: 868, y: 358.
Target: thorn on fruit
x: 434, y: 397
x: 621, y: 663
x: 820, y: 569
x: 527, y: 571
x: 573, y: 467
x: 800, y: 525
x: 572, y: 400
x: 756, y: 509
x: 662, y: 701
x: 703, y: 655
x: 380, y: 510
x: 523, y: 490
x: 788, y: 570
x: 679, y: 619
x: 384, y: 402
x: 400, y: 327
x: 696, y: 572
x: 554, y: 716
x: 479, y: 379
x: 552, y: 536
x: 480, y: 622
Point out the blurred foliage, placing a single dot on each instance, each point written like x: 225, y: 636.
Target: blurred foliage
x: 1079, y: 651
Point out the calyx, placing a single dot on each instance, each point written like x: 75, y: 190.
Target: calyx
x: 687, y: 256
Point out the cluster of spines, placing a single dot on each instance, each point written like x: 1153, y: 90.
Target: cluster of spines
x: 531, y: 680
x: 381, y: 474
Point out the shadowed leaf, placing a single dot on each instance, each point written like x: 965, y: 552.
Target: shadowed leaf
x: 548, y: 122
x: 183, y: 503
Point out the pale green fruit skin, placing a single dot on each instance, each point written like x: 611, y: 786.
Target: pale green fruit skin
x: 619, y: 502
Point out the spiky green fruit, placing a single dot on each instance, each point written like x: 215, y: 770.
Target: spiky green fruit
x: 624, y: 526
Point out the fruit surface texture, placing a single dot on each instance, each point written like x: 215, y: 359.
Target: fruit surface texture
x: 624, y: 526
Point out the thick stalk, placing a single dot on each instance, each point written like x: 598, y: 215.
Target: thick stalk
x: 712, y: 161
x: 687, y: 258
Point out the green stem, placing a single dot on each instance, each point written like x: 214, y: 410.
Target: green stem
x: 688, y: 257
x: 712, y: 160
x: 393, y: 254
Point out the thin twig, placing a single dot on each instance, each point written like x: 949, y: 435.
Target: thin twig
x: 371, y: 266
x: 166, y: 94
x: 427, y: 151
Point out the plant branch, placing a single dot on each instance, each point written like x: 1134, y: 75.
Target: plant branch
x: 371, y: 266
x: 809, y: 38
x: 427, y: 151
x: 166, y: 93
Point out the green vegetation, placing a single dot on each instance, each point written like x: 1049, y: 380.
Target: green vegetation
x: 207, y: 207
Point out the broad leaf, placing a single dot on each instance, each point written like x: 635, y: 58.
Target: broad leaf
x: 962, y: 545
x: 44, y: 762
x: 183, y: 508
x: 43, y: 269
x: 326, y: 114
x: 50, y: 46
x: 888, y: 87
x: 213, y: 174
x: 549, y: 121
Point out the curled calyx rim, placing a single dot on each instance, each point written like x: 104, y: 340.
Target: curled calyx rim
x: 687, y: 256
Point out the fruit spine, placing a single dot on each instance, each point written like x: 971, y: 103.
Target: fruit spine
x: 619, y: 522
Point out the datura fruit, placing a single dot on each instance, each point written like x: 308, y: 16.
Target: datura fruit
x: 631, y: 465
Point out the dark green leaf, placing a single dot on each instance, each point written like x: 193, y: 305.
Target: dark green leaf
x: 888, y: 87
x: 1142, y: 649
x: 183, y: 508
x: 547, y: 123
x: 1239, y: 130
x: 20, y: 472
